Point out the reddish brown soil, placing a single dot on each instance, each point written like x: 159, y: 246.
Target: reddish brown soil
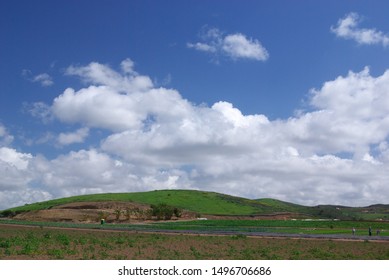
x: 91, y: 212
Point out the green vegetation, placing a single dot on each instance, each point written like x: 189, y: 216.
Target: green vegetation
x: 164, y: 211
x: 278, y: 226
x: 216, y: 204
x: 55, y: 240
x: 281, y: 206
x: 235, y: 226
x: 44, y: 243
x: 197, y: 201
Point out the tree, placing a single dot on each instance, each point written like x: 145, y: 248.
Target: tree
x: 177, y: 212
x: 162, y: 211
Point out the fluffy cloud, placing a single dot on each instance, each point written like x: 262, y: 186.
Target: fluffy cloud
x: 238, y: 46
x: 15, y: 170
x: 93, y: 171
x: 117, y: 102
x: 348, y: 28
x: 99, y: 74
x: 13, y: 164
x: 350, y: 117
x: 73, y: 137
x: 235, y: 46
x: 15, y: 159
x: 12, y: 198
x: 337, y: 152
x: 219, y: 146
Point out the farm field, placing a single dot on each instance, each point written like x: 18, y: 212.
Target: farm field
x: 278, y: 226
x: 23, y: 242
x: 201, y: 225
x: 246, y: 227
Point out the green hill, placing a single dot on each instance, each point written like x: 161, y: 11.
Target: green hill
x: 196, y: 201
x: 217, y: 204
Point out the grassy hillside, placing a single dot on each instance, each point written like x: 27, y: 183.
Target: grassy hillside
x: 197, y: 201
x: 219, y: 204
x: 282, y: 206
x: 373, y: 212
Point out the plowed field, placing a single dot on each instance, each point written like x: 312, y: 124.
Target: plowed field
x: 21, y: 242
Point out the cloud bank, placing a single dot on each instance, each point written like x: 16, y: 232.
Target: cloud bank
x: 337, y: 152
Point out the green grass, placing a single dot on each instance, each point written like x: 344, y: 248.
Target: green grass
x: 281, y: 206
x: 197, y: 201
x: 220, y: 204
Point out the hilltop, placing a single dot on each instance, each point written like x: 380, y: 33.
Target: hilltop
x: 190, y: 203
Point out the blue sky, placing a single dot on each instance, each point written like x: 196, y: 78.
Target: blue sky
x: 282, y: 99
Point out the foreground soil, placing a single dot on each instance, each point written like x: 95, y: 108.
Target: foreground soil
x: 18, y: 242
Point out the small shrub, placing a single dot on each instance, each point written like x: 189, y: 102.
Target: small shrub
x: 162, y: 211
x: 177, y: 212
x: 7, y: 213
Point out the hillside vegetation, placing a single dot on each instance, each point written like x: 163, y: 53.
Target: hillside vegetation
x: 212, y: 203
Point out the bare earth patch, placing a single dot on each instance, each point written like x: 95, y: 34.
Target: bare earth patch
x: 91, y: 212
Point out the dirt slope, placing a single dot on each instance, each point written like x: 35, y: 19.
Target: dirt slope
x: 92, y: 212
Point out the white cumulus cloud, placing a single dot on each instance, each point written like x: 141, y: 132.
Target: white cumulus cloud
x: 337, y: 152
x: 235, y: 46
x: 348, y: 28
x: 15, y: 170
x: 116, y: 101
x: 218, y: 146
x: 13, y: 158
x: 239, y: 46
